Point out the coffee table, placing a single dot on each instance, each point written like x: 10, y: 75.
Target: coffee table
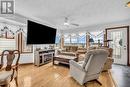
x: 64, y: 59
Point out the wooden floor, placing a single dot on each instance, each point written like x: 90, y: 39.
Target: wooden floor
x: 54, y: 76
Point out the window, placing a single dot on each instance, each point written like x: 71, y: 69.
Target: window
x: 97, y: 36
x: 67, y: 39
x: 75, y: 39
x: 82, y: 38
x: 57, y: 39
x: 57, y: 42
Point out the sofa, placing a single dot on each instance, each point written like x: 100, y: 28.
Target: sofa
x: 82, y: 50
x: 66, y: 56
x: 76, y: 49
x: 70, y: 48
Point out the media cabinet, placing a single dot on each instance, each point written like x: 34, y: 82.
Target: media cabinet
x: 43, y: 56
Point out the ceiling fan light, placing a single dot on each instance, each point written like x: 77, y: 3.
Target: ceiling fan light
x: 66, y: 23
x: 128, y: 4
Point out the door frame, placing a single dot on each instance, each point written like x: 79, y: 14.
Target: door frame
x: 127, y: 27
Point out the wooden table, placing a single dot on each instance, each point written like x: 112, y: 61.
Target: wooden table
x: 64, y: 59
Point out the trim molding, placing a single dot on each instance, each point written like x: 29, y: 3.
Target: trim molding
x: 26, y: 63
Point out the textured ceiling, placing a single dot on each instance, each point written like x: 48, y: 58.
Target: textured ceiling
x: 82, y: 12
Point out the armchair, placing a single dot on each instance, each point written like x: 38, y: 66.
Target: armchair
x: 90, y: 68
x: 9, y: 70
x: 110, y: 60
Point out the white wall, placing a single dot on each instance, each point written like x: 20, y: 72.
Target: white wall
x: 98, y: 27
x: 29, y: 57
x: 26, y: 58
x: 101, y: 27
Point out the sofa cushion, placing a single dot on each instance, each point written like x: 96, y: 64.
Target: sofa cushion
x: 68, y: 53
x: 71, y: 48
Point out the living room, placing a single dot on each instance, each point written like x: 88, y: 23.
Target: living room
x: 91, y: 32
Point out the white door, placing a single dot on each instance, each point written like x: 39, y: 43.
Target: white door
x: 119, y: 44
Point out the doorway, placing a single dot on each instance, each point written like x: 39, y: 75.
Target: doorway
x: 119, y: 41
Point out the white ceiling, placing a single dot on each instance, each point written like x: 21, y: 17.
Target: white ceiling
x: 82, y: 12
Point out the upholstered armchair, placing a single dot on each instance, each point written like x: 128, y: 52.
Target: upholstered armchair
x: 109, y: 61
x: 90, y: 68
x: 9, y: 67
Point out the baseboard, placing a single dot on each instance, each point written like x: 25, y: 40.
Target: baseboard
x: 26, y: 63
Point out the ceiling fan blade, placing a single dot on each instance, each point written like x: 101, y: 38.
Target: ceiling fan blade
x: 66, y: 19
x: 74, y: 24
x: 66, y: 22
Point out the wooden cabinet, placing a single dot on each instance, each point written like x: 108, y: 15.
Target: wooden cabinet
x: 43, y: 56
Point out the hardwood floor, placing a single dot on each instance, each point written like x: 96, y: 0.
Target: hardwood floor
x: 54, y: 76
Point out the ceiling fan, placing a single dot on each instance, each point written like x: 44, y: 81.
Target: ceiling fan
x: 67, y: 22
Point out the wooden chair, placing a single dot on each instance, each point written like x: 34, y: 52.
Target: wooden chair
x: 9, y: 67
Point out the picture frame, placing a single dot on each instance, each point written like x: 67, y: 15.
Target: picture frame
x: 9, y: 35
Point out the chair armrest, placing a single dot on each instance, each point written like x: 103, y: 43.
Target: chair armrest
x: 75, y: 64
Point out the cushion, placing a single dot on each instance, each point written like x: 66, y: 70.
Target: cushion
x: 87, y: 56
x: 91, y: 53
x: 68, y: 53
x: 5, y: 77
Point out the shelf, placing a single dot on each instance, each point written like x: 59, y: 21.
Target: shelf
x: 43, y: 56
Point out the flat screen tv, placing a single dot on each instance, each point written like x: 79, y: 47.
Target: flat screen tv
x: 40, y: 34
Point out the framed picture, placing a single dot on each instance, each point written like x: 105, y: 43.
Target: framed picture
x: 9, y: 35
x: 24, y: 47
x: 6, y: 33
x: 3, y: 35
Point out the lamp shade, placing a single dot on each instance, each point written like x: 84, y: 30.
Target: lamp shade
x: 128, y: 4
x: 91, y: 40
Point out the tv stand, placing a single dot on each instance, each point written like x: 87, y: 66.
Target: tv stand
x: 43, y: 56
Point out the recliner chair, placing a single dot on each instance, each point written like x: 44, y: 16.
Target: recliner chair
x: 90, y: 68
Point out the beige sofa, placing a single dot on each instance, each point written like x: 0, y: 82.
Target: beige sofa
x: 70, y: 48
x: 76, y: 49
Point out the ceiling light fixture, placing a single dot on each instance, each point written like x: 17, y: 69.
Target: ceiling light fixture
x: 128, y: 4
x: 66, y: 23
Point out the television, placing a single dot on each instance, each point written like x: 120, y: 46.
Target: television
x: 40, y: 34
